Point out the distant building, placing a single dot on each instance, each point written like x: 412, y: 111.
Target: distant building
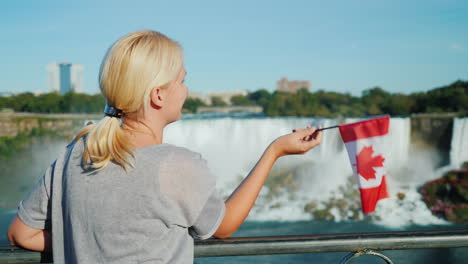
x: 65, y: 77
x: 284, y: 85
x: 38, y: 92
x: 53, y: 77
x: 77, y: 78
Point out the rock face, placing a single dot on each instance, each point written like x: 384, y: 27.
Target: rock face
x: 12, y: 124
x: 447, y: 197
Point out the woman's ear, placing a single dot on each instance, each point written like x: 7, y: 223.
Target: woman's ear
x: 156, y: 96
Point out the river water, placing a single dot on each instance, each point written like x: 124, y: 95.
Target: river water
x: 233, y: 145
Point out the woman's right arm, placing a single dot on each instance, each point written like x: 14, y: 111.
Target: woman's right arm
x: 20, y: 234
x: 240, y: 202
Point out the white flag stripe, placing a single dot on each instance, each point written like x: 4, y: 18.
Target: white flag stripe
x: 379, y: 146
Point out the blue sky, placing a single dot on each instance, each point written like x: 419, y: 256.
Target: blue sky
x: 343, y: 46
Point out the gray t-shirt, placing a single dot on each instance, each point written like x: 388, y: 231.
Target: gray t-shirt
x: 147, y: 215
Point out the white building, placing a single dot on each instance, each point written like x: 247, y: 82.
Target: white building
x: 53, y: 77
x: 56, y: 77
x: 77, y: 78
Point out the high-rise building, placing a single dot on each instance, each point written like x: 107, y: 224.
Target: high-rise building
x: 64, y: 77
x: 53, y: 77
x: 77, y: 77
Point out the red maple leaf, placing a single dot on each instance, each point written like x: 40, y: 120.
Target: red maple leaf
x: 366, y: 163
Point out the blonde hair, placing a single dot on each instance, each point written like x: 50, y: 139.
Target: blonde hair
x: 132, y: 66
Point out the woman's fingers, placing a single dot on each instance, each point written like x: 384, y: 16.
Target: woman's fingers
x: 307, y: 137
x: 312, y: 138
x: 318, y: 135
x: 316, y: 138
x: 298, y: 129
x: 298, y: 142
x: 306, y: 133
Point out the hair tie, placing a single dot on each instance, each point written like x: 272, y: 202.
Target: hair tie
x: 113, y: 111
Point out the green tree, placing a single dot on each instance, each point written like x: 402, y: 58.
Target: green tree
x: 48, y: 103
x: 374, y: 101
x: 373, y: 109
x: 192, y: 104
x: 260, y: 97
x: 241, y: 100
x: 451, y: 98
x: 399, y: 104
x: 376, y: 95
x: 217, y: 101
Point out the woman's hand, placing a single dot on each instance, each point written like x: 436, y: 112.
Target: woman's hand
x: 298, y: 142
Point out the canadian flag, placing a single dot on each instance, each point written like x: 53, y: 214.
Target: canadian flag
x: 364, y: 142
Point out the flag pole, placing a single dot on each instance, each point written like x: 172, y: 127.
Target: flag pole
x: 320, y: 129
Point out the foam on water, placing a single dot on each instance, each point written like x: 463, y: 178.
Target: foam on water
x: 394, y: 212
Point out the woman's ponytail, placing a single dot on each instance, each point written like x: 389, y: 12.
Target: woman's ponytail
x: 106, y: 141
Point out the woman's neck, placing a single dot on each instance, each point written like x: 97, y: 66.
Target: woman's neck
x: 142, y: 134
x: 140, y: 140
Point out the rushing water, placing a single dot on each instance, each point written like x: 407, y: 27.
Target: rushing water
x: 232, y: 146
x: 459, y: 146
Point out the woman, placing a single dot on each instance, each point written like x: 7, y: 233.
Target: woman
x: 119, y: 194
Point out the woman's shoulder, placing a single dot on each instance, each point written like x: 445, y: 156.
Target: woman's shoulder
x: 165, y: 152
x: 182, y: 170
x: 172, y: 153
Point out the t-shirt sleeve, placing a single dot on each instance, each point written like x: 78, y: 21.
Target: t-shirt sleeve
x: 190, y: 185
x: 209, y: 219
x: 34, y: 211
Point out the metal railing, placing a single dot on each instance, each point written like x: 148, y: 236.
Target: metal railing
x: 356, y: 243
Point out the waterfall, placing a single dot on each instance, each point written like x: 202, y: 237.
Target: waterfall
x: 459, y: 145
x: 232, y: 147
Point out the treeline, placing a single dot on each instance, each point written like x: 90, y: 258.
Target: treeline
x: 54, y: 103
x: 374, y: 101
